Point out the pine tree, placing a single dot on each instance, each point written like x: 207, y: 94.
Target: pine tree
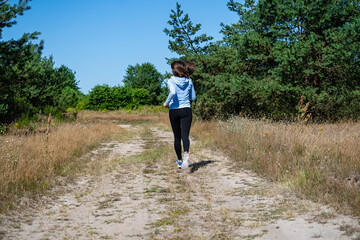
x: 8, y: 12
x: 186, y: 40
x: 29, y: 83
x: 279, y: 51
x: 309, y: 45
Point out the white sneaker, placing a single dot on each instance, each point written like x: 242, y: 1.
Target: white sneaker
x: 185, y: 163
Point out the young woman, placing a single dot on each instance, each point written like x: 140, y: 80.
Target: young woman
x: 180, y: 114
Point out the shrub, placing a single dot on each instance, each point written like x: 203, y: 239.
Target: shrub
x: 111, y: 98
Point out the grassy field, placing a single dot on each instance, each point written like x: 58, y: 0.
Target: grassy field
x: 318, y: 161
x: 29, y: 161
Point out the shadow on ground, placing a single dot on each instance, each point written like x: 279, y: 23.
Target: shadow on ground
x: 195, y: 166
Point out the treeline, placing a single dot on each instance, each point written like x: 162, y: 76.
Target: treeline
x: 142, y: 86
x: 282, y: 59
x: 30, y: 84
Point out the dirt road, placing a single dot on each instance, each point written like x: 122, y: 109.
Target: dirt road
x: 133, y: 190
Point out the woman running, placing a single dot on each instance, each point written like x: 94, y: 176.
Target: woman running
x: 180, y: 114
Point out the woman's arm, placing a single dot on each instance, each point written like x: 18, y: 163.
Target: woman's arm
x: 192, y: 91
x: 171, y: 93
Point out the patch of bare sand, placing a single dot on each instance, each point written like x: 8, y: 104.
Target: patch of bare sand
x: 213, y: 200
x: 210, y: 200
x: 93, y: 207
x: 240, y: 205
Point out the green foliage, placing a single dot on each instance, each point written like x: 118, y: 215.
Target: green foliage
x: 26, y: 120
x: 8, y: 12
x: 276, y: 54
x: 69, y: 97
x: 147, y: 77
x: 3, y: 129
x: 104, y: 97
x: 140, y: 96
x: 229, y: 95
x: 83, y: 101
x: 184, y: 34
x: 30, y: 82
x: 163, y: 94
x: 101, y: 97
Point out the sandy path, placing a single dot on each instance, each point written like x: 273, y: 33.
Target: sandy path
x: 142, y: 195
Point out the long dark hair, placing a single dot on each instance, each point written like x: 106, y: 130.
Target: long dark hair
x: 182, y: 68
x: 190, y: 67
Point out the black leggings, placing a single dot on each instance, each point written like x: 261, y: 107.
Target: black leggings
x: 180, y: 120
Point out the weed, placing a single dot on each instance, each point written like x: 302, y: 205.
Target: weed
x: 253, y: 236
x: 105, y: 237
x: 174, y: 215
x: 156, y: 189
x: 348, y: 229
x: 148, y: 171
x: 163, y: 222
x: 316, y: 236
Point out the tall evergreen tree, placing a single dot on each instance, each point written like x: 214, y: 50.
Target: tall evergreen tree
x: 28, y: 81
x: 309, y: 45
x: 278, y: 53
x: 9, y: 12
x: 184, y: 33
x: 189, y: 44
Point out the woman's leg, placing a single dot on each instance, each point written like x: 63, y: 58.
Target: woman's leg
x: 185, y: 121
x: 175, y: 125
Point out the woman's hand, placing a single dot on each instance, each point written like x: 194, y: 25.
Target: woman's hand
x: 164, y: 105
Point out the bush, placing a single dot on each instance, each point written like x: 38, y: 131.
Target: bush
x: 69, y: 98
x: 232, y: 95
x: 103, y: 97
x: 140, y: 96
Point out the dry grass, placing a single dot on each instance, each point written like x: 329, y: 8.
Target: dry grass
x: 29, y: 160
x: 125, y: 116
x: 319, y: 160
x: 29, y: 163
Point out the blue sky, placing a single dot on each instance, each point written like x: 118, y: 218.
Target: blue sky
x: 100, y: 39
